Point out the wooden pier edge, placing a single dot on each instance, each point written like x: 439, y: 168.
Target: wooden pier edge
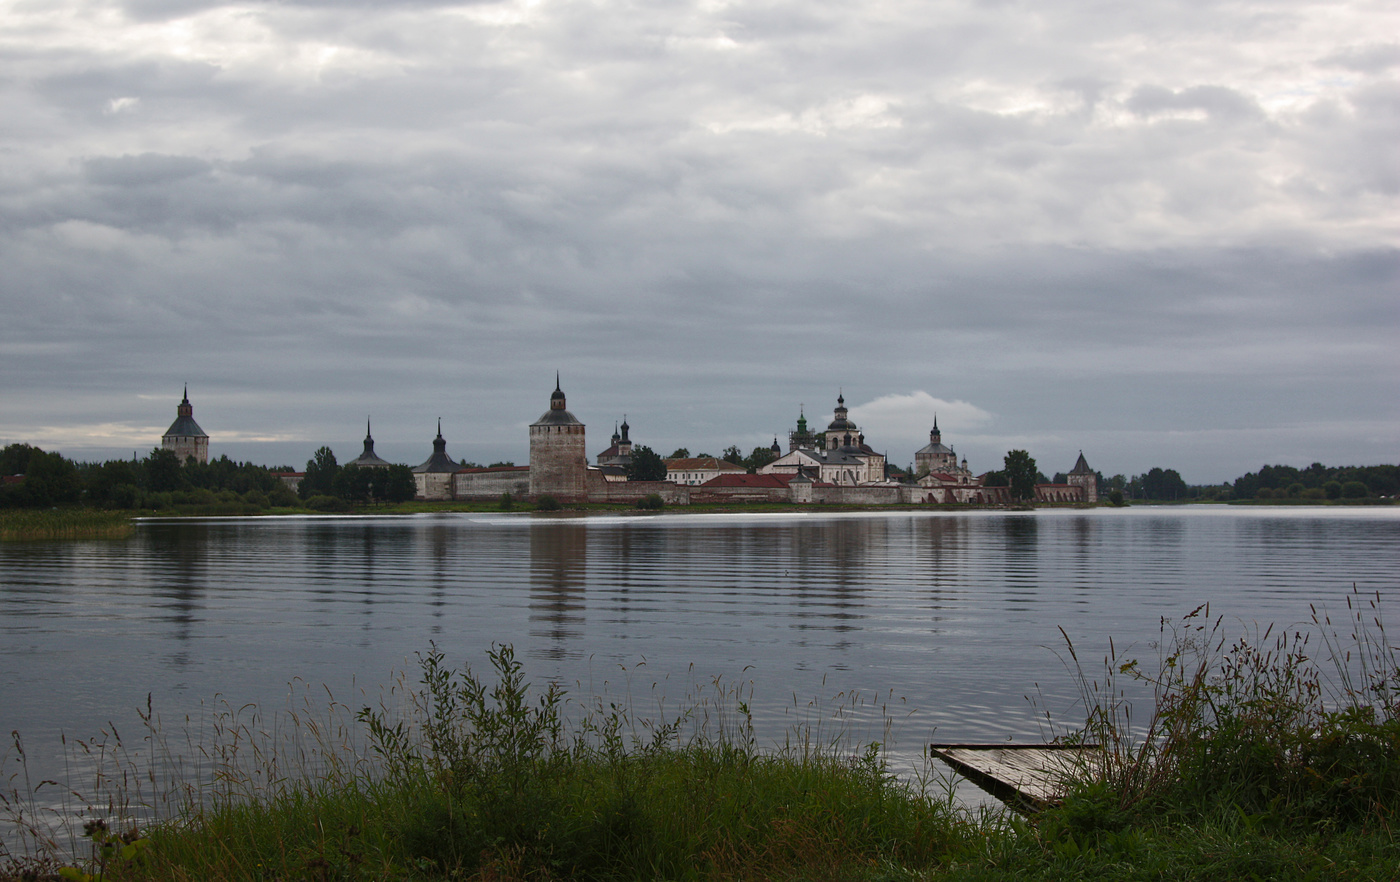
x: 1026, y: 777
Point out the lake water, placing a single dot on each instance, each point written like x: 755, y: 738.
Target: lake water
x: 951, y: 619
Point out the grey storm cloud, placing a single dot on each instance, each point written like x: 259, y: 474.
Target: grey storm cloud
x: 1162, y: 228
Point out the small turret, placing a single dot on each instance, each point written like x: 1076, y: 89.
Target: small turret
x: 556, y: 400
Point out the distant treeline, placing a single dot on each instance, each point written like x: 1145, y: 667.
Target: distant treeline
x: 160, y: 482
x: 1318, y: 481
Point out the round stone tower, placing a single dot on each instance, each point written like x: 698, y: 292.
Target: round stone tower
x: 558, y: 455
x: 184, y: 436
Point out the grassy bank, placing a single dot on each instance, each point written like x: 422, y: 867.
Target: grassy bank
x: 20, y: 524
x: 1255, y: 761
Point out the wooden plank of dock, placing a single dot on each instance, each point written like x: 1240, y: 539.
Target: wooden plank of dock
x: 1027, y: 777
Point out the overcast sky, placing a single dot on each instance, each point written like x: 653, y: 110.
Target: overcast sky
x: 1164, y: 232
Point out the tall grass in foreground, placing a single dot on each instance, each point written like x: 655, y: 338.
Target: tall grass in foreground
x: 487, y: 778
x: 1297, y: 729
x: 28, y: 525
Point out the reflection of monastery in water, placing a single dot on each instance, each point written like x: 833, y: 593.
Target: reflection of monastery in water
x: 835, y: 466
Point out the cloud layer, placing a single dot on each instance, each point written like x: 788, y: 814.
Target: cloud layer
x: 1163, y: 233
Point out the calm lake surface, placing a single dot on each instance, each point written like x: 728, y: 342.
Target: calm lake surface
x: 952, y: 618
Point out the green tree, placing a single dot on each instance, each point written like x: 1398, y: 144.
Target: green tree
x: 321, y: 470
x: 1021, y: 473
x: 161, y: 471
x: 680, y: 453
x: 394, y: 484
x: 111, y: 484
x: 353, y: 483
x: 1353, y: 490
x: 14, y: 459
x: 732, y: 455
x: 1163, y: 484
x: 49, y: 479
x: 646, y: 465
x: 760, y: 457
x: 282, y: 496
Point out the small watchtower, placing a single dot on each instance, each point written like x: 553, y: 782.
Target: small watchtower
x: 1083, y: 476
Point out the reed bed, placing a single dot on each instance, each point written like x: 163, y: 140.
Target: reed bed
x: 28, y: 525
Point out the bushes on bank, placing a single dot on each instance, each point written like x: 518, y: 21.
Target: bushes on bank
x: 1254, y: 726
x: 327, y: 504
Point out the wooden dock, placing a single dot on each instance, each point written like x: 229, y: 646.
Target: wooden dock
x: 1027, y: 777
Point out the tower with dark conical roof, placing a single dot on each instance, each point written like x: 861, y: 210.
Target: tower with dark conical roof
x: 434, y: 477
x: 558, y: 456
x: 370, y: 459
x: 1085, y: 477
x: 184, y: 436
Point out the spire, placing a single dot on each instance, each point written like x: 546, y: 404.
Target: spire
x: 368, y: 457
x: 556, y: 400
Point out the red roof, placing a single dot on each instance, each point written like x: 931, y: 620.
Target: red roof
x: 748, y: 481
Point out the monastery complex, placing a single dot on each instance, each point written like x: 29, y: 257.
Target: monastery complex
x: 834, y: 466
